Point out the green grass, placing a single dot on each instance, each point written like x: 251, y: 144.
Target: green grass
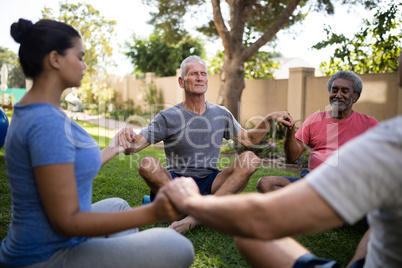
x: 120, y: 178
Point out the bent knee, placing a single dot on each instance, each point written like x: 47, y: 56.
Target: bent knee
x: 249, y: 160
x: 241, y: 244
x: 119, y: 204
x: 147, y: 164
x: 178, y: 250
x: 248, y: 155
x: 262, y: 184
x: 271, y: 183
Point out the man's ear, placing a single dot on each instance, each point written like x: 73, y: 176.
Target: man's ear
x: 181, y: 81
x: 54, y: 59
x: 356, y: 97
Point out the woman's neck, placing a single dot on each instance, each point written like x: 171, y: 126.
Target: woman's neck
x: 42, y: 93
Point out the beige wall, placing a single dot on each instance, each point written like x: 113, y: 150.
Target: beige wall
x: 317, y: 96
x: 213, y: 88
x: 380, y: 96
x: 261, y: 97
x: 301, y: 94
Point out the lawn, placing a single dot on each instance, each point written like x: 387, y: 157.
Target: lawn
x: 120, y: 178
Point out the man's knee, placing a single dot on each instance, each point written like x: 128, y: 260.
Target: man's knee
x: 147, y: 166
x: 240, y: 243
x: 266, y: 184
x: 262, y: 184
x: 271, y: 183
x: 249, y: 161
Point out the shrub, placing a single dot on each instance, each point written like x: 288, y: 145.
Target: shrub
x: 119, y: 114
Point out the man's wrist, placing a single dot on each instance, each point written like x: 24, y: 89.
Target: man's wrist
x: 190, y: 204
x: 269, y: 118
x: 290, y: 132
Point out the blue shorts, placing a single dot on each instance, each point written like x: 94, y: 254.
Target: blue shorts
x: 311, y: 261
x: 204, y: 184
x: 302, y: 174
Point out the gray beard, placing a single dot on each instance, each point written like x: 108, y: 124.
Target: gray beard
x: 338, y: 106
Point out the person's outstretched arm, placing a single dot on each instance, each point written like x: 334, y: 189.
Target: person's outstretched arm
x: 293, y: 210
x: 255, y: 135
x: 120, y: 142
x: 125, y: 141
x: 58, y: 193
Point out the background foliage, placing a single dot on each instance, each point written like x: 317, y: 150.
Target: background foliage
x: 97, y: 33
x: 16, y: 77
x: 374, y: 49
x: 157, y: 55
x: 260, y: 66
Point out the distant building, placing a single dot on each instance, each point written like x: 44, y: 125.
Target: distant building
x: 286, y: 63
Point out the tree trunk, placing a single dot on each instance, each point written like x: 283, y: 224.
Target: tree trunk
x: 232, y: 85
x: 232, y: 78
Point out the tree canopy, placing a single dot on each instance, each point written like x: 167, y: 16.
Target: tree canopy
x: 97, y: 34
x: 170, y: 17
x: 156, y: 55
x: 374, y: 49
x: 260, y: 66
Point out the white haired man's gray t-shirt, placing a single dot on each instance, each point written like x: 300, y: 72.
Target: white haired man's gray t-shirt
x: 364, y: 177
x: 192, y: 142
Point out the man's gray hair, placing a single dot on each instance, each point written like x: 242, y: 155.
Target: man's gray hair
x: 183, y: 65
x: 356, y: 80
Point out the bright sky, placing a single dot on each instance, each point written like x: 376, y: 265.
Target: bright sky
x: 131, y: 17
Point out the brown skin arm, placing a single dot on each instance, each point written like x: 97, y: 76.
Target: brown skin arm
x: 294, y: 210
x: 255, y: 135
x: 293, y: 147
x: 58, y: 193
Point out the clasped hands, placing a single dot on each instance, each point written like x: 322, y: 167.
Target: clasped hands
x: 282, y: 117
x: 123, y: 140
x: 172, y: 200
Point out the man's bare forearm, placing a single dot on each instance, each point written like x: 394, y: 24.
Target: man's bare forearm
x: 292, y: 152
x: 294, y: 210
x: 257, y: 134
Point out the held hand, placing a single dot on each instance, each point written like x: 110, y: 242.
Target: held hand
x: 123, y: 139
x: 180, y: 190
x: 164, y: 209
x: 284, y: 118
